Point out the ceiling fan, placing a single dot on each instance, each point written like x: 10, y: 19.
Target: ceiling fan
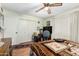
x: 48, y: 5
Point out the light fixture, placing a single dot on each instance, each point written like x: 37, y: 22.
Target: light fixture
x: 46, y: 8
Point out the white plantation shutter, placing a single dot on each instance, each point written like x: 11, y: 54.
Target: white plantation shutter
x: 74, y: 30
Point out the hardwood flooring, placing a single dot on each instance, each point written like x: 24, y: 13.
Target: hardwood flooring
x: 22, y: 49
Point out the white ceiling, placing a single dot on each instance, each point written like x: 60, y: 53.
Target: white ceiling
x: 30, y: 8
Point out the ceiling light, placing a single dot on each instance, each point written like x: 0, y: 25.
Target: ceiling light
x: 46, y: 8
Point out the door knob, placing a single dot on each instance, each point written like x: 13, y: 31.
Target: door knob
x: 16, y: 32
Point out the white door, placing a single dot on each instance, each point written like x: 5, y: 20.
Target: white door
x: 25, y: 30
x: 32, y: 28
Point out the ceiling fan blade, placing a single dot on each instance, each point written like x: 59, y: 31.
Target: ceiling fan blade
x: 55, y: 4
x: 49, y: 11
x: 46, y: 4
x: 40, y: 9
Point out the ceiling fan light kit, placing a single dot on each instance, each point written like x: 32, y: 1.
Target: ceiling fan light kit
x: 47, y: 6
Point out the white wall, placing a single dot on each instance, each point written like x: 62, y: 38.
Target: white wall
x: 33, y: 18
x: 65, y: 25
x: 11, y: 21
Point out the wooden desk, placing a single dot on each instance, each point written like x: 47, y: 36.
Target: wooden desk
x: 41, y: 50
x: 5, y: 49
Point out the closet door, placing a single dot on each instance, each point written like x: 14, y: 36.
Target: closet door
x: 25, y: 30
x: 75, y: 27
x: 22, y: 31
x: 78, y: 25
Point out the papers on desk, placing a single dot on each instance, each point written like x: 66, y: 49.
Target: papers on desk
x: 56, y: 47
x: 75, y: 50
x: 1, y: 44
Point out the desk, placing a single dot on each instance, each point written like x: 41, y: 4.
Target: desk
x: 5, y: 49
x: 41, y: 50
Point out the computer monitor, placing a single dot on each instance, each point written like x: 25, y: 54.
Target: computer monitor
x: 49, y: 28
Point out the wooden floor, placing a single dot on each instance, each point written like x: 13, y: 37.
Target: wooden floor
x: 21, y: 52
x: 22, y: 49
